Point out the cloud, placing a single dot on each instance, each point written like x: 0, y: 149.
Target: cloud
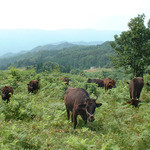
x: 60, y: 14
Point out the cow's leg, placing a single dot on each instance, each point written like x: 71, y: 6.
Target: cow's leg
x: 68, y: 114
x: 106, y: 88
x: 138, y: 94
x: 84, y: 117
x: 74, y: 119
x: 72, y: 116
x: 7, y: 100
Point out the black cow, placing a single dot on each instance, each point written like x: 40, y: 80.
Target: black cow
x: 77, y: 101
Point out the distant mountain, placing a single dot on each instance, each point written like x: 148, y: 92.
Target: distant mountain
x: 14, y: 41
x: 88, y: 43
x: 67, y: 55
x: 53, y: 47
x: 8, y: 55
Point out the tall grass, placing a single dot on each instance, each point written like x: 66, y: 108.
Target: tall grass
x: 39, y: 121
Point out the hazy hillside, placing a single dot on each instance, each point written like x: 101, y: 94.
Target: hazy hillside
x: 66, y: 54
x: 18, y: 40
x: 53, y: 47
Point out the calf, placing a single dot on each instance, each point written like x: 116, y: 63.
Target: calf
x: 77, y: 101
x: 99, y: 82
x: 33, y: 86
x: 6, y: 93
x: 135, y: 88
x: 109, y: 84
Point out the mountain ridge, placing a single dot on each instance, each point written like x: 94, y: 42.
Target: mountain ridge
x: 17, y: 40
x: 73, y: 57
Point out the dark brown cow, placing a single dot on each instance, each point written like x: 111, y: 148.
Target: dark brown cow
x: 6, y: 93
x: 109, y: 83
x: 99, y: 82
x: 65, y: 79
x: 33, y: 86
x: 77, y: 101
x: 135, y: 88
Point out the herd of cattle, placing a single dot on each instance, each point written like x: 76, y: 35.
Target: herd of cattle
x: 78, y: 101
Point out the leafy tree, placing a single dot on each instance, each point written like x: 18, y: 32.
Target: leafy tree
x: 148, y: 23
x: 132, y: 47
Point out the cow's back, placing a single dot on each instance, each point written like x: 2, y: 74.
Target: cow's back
x: 136, y: 86
x: 74, y: 97
x: 100, y: 82
x: 7, y: 90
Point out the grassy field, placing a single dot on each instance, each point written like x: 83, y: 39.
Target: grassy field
x: 39, y: 121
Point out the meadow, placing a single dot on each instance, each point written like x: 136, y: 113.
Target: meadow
x: 39, y: 121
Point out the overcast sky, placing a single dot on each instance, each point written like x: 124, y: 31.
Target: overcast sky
x: 71, y: 14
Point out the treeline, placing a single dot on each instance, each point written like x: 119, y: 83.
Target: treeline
x: 66, y: 59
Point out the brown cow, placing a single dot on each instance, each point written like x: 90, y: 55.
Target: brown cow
x: 77, y: 101
x: 109, y: 83
x: 99, y: 82
x: 135, y: 88
x: 33, y: 86
x: 65, y: 79
x: 6, y: 93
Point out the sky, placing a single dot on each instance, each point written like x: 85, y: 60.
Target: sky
x: 71, y: 14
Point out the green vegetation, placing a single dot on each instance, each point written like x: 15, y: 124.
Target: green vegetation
x: 132, y: 48
x: 75, y: 57
x: 39, y: 121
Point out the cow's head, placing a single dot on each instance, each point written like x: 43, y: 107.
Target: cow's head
x: 30, y: 86
x: 134, y: 102
x: 89, y: 81
x: 111, y: 84
x: 89, y: 106
x: 6, y: 95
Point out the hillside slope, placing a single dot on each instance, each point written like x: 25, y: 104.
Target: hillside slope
x: 81, y: 57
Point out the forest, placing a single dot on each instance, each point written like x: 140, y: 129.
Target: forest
x: 68, y: 58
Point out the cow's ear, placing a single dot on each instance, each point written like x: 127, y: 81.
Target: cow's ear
x: 127, y: 82
x: 80, y: 106
x: 27, y: 84
x: 98, y: 104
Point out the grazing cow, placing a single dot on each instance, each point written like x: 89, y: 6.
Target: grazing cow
x: 6, y: 93
x: 99, y: 82
x: 77, y: 101
x: 65, y: 79
x: 33, y: 86
x: 135, y: 88
x: 109, y: 83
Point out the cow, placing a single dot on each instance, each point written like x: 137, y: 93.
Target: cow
x: 65, y: 79
x: 99, y: 82
x: 7, y: 91
x: 109, y: 83
x: 33, y: 86
x: 77, y: 101
x: 135, y: 88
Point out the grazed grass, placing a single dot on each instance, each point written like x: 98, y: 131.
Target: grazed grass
x: 39, y: 121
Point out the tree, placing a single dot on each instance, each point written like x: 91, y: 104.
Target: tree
x: 132, y: 47
x: 148, y: 23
